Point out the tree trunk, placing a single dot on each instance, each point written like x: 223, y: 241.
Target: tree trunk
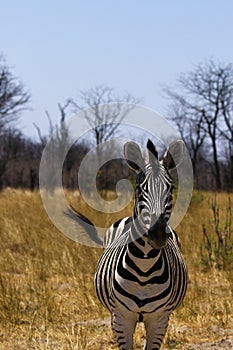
x: 216, y: 165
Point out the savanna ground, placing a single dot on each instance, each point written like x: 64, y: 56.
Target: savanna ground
x: 47, y: 299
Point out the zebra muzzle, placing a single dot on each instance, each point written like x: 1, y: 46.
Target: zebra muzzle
x: 158, y: 232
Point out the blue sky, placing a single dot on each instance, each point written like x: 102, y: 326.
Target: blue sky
x: 58, y: 48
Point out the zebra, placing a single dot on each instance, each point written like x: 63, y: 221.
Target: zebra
x: 141, y: 275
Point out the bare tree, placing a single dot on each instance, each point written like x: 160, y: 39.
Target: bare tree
x: 13, y: 97
x: 56, y: 131
x: 56, y: 141
x: 8, y: 140
x: 205, y: 99
x: 190, y: 130
x: 104, y: 110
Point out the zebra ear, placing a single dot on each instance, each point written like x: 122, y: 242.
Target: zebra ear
x: 174, y: 155
x: 133, y: 156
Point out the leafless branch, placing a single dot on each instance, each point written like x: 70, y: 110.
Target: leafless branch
x: 13, y: 96
x: 104, y: 110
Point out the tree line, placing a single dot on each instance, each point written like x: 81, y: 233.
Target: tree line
x: 202, y: 109
x: 200, y: 106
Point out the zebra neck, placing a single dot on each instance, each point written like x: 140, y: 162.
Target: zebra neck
x: 141, y: 257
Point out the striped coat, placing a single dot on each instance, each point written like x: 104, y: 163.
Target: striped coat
x: 141, y: 275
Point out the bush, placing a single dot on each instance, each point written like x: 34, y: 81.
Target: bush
x: 217, y: 247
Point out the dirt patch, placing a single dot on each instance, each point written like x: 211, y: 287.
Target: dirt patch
x: 224, y: 342
x: 106, y: 321
x: 213, y: 338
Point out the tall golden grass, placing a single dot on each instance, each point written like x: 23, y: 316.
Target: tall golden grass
x: 47, y: 299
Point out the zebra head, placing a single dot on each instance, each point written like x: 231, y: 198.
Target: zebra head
x: 154, y: 184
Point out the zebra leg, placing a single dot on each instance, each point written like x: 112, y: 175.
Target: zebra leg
x: 123, y: 329
x: 155, y: 330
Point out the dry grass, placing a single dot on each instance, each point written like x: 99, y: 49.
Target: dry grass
x: 47, y: 299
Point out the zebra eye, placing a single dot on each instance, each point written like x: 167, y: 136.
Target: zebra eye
x: 140, y: 179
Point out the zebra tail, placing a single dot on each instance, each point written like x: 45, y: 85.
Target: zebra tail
x: 85, y: 223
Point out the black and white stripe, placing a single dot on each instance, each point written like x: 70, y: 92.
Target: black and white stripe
x: 141, y: 274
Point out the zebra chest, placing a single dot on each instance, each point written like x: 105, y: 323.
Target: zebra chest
x: 138, y: 297
x: 140, y: 285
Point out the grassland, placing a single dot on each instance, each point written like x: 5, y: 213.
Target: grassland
x: 47, y: 299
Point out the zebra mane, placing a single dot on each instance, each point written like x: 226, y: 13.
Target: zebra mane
x: 151, y: 147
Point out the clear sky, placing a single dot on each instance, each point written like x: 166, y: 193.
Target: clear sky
x: 58, y: 48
